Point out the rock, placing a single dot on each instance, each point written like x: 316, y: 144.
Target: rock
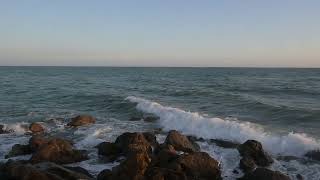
x: 194, y: 138
x: 247, y: 164
x: 59, y: 151
x: 164, y: 174
x: 135, y: 119
x: 150, y: 118
x: 68, y: 173
x: 315, y: 155
x: 180, y: 142
x: 164, y: 155
x: 110, y: 150
x: 151, y: 138
x: 128, y: 142
x: 253, y: 149
x: 264, y: 174
x: 18, y: 150
x: 199, y: 165
x: 133, y: 168
x: 224, y: 143
x: 81, y: 120
x: 3, y: 130
x: 36, y: 128
x: 299, y: 177
x: 36, y: 141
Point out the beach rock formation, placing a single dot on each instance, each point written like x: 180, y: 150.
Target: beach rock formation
x: 36, y: 128
x: 59, y: 151
x: 81, y: 120
x: 36, y: 141
x: 181, y: 142
x: 253, y: 155
x: 265, y: 174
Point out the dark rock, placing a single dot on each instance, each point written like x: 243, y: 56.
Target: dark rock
x: 81, y: 120
x: 224, y: 143
x: 135, y: 119
x: 151, y: 138
x: 18, y: 150
x: 110, y: 150
x: 247, y: 164
x: 264, y: 174
x: 150, y: 118
x: 59, y: 151
x: 180, y: 142
x: 299, y: 177
x: 133, y: 168
x: 194, y: 138
x: 156, y: 173
x: 253, y: 149
x: 63, y: 172
x: 235, y: 171
x: 199, y: 165
x: 36, y: 141
x: 3, y: 130
x: 315, y: 155
x: 36, y: 128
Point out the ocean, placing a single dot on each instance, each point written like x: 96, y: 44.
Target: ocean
x: 280, y: 107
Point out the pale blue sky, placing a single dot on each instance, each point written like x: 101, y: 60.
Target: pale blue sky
x: 284, y: 33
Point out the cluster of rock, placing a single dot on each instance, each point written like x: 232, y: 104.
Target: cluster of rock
x: 140, y: 157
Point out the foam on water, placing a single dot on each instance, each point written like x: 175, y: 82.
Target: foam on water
x: 192, y: 123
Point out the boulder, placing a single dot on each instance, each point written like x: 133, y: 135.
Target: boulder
x: 133, y: 168
x: 253, y: 149
x: 36, y: 128
x: 164, y: 174
x: 315, y: 155
x: 18, y: 150
x: 199, y: 165
x: 36, y: 141
x: 58, y: 151
x: 264, y: 174
x: 180, y: 142
x: 247, y: 164
x: 81, y: 120
x: 128, y: 142
x: 110, y: 150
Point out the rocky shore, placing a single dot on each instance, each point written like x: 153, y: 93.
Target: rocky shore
x: 139, y: 154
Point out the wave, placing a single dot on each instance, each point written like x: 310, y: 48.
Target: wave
x: 192, y: 123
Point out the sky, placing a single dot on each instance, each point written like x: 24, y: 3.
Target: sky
x: 206, y: 33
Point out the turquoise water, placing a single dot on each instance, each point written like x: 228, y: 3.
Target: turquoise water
x: 278, y: 107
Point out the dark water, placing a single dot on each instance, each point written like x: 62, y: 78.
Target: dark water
x: 281, y: 100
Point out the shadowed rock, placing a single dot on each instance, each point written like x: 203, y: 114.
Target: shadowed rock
x: 315, y: 155
x: 18, y: 150
x: 264, y: 174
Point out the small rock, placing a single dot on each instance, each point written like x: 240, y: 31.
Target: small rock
x: 81, y: 120
x: 253, y: 149
x: 180, y: 142
x: 3, y: 130
x: 299, y: 177
x: 18, y: 150
x: 134, y: 119
x: 150, y: 118
x: 264, y: 174
x: 36, y: 128
x: 224, y: 143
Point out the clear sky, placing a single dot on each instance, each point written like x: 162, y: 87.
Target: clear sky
x: 270, y: 33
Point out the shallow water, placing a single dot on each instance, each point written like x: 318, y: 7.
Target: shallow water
x: 279, y: 107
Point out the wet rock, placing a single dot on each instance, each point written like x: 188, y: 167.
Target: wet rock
x: 299, y: 177
x: 133, y: 168
x: 135, y: 119
x: 81, y: 120
x: 224, y: 143
x: 180, y: 142
x: 199, y: 165
x: 315, y: 155
x: 150, y: 118
x: 110, y: 150
x: 194, y: 138
x: 247, y: 164
x: 18, y: 150
x: 164, y: 174
x: 164, y: 156
x: 264, y: 174
x: 253, y: 149
x: 36, y: 128
x: 3, y: 130
x: 59, y: 151
x: 128, y: 142
x: 36, y: 141
x: 151, y: 138
x: 67, y: 173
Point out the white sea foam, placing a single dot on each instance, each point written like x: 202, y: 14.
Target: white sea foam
x: 193, y: 123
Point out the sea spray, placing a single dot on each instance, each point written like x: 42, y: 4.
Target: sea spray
x: 192, y: 123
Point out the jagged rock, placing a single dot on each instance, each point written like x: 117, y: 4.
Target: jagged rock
x: 247, y: 164
x: 315, y: 155
x: 180, y: 142
x: 253, y: 149
x: 59, y: 151
x: 81, y: 120
x: 36, y: 128
x: 18, y: 150
x: 133, y: 168
x: 264, y: 174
